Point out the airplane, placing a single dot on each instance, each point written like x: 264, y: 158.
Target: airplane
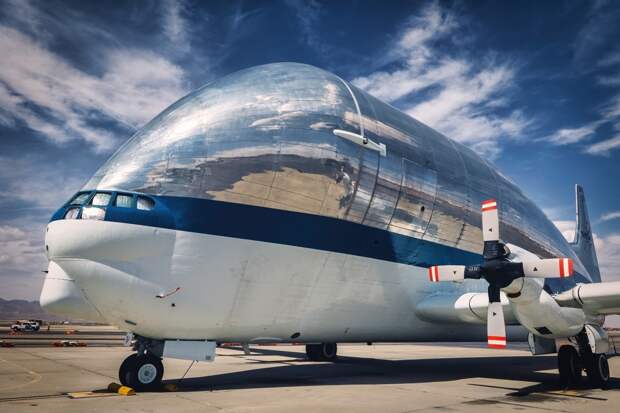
x: 283, y: 204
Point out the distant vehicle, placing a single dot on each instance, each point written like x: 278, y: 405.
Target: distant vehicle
x: 26, y: 325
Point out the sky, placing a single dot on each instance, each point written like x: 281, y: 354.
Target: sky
x: 532, y: 86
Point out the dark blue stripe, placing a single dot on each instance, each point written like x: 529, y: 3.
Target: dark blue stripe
x: 299, y: 229
x: 287, y: 228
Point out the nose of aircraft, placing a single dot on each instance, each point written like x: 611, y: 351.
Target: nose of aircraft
x: 61, y: 296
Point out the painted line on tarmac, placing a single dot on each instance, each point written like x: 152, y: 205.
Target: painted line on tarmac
x: 35, y: 379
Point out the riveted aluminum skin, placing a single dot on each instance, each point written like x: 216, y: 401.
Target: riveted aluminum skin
x: 264, y: 136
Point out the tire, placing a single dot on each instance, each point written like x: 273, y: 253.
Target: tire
x: 145, y: 373
x: 569, y: 365
x: 597, y: 369
x: 329, y: 351
x: 322, y: 351
x: 126, y: 365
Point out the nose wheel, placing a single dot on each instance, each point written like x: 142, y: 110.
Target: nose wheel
x: 141, y: 372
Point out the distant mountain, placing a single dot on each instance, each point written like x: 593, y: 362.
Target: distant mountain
x: 22, y: 309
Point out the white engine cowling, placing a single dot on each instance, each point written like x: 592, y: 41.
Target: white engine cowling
x: 537, y: 311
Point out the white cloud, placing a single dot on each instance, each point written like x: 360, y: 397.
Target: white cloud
x: 134, y: 86
x: 604, y: 147
x: 569, y: 136
x: 567, y: 228
x: 609, y: 115
x: 22, y: 250
x: 39, y: 184
x: 609, y: 80
x: 460, y: 93
x: 308, y: 14
x: 174, y: 23
x: 608, y: 253
x: 9, y: 233
x: 610, y: 216
x: 607, y: 249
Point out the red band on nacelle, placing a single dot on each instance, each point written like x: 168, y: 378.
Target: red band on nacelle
x: 496, y: 345
x: 570, y: 267
x: 496, y: 338
x: 430, y: 274
x: 561, y: 264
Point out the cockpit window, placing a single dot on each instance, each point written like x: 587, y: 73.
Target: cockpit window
x: 79, y: 199
x: 145, y: 203
x: 101, y: 199
x: 123, y: 200
x: 72, y: 213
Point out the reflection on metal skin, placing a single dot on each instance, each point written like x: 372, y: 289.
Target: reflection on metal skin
x: 264, y: 136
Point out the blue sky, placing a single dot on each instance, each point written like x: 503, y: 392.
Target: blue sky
x: 533, y: 87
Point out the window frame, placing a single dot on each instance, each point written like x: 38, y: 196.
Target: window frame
x: 149, y: 199
x: 133, y: 204
x: 90, y: 201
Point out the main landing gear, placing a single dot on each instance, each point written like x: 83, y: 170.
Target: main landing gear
x: 572, y: 363
x: 322, y: 351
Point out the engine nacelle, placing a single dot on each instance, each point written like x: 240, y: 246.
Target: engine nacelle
x: 537, y: 311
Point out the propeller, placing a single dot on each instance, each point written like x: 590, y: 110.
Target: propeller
x: 499, y: 272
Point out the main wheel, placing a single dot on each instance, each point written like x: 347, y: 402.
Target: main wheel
x: 597, y: 369
x: 569, y: 365
x: 142, y: 372
x: 124, y: 368
x: 322, y: 351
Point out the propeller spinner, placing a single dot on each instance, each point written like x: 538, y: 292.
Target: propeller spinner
x: 499, y: 272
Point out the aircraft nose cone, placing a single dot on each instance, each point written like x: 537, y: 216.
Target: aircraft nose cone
x: 61, y: 296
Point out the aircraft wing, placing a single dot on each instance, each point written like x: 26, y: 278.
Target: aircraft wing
x: 596, y: 298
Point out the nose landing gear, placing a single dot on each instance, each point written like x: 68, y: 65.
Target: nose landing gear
x: 141, y: 372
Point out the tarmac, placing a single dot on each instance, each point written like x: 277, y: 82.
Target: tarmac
x: 442, y: 377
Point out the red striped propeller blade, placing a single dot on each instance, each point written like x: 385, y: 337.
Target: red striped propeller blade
x: 439, y: 273
x: 548, y: 268
x: 490, y: 220
x: 496, y: 329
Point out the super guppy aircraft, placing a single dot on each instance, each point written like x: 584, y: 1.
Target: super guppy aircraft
x: 281, y: 203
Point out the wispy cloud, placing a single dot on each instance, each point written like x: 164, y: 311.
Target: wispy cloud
x: 175, y: 24
x: 609, y: 117
x: 607, y: 249
x: 62, y: 102
x: 568, y: 136
x: 460, y: 93
x: 604, y: 147
x: 611, y: 59
x: 610, y: 216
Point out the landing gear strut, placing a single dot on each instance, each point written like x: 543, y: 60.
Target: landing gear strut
x: 322, y: 351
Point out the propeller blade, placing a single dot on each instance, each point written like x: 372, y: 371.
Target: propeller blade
x: 496, y: 329
x: 490, y: 221
x: 439, y: 273
x: 548, y: 268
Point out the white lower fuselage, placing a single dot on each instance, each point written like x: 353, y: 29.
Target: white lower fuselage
x: 230, y: 289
